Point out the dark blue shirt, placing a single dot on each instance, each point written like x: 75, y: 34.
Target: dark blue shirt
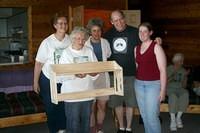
x: 97, y: 50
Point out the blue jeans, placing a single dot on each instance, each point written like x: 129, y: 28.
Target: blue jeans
x: 55, y: 113
x: 147, y: 95
x: 78, y: 116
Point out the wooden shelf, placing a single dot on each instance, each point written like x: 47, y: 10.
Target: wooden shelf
x: 89, y: 67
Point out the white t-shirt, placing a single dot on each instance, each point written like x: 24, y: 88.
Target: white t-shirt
x: 50, y: 51
x: 75, y: 84
x: 103, y: 80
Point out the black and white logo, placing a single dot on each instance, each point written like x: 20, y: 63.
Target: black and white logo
x: 120, y: 45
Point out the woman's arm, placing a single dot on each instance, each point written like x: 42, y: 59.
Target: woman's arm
x: 135, y: 57
x: 37, y: 71
x: 161, y: 61
x: 158, y: 40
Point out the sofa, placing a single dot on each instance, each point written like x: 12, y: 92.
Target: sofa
x: 19, y: 104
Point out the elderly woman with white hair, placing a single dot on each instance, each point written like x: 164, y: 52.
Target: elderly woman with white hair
x: 178, y: 97
x: 78, y: 111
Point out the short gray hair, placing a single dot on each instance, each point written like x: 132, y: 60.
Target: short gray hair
x: 79, y: 29
x: 94, y: 22
x: 177, y: 57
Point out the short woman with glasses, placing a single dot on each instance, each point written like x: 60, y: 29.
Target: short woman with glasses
x: 78, y: 111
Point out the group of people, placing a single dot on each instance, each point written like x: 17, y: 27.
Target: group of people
x: 144, y: 73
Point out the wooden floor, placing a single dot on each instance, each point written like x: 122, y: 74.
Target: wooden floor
x: 191, y: 125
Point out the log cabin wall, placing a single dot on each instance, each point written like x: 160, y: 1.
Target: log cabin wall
x: 42, y: 11
x: 178, y: 23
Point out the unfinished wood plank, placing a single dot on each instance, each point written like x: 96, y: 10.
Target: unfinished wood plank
x: 190, y: 109
x: 53, y: 85
x: 91, y: 93
x: 89, y: 67
x: 22, y: 120
x: 193, y: 109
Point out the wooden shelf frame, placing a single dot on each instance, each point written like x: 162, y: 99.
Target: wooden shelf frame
x: 89, y: 67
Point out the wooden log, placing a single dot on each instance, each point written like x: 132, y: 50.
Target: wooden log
x: 22, y: 120
x: 193, y: 109
x: 190, y: 109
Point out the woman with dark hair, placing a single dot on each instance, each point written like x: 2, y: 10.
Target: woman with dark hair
x: 101, y: 48
x: 49, y: 52
x: 151, y: 78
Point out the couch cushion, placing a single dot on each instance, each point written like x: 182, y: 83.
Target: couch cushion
x: 2, y: 96
x: 4, y: 107
x: 21, y: 103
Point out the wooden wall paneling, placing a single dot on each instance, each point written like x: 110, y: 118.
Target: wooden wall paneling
x: 43, y: 25
x: 182, y: 26
x: 41, y: 18
x: 42, y: 34
x: 133, y: 17
x: 192, y: 42
x: 42, y: 11
x: 70, y: 18
x: 179, y: 24
x: 99, y: 4
x: 102, y: 14
x: 30, y: 43
x: 187, y: 10
x: 78, y: 16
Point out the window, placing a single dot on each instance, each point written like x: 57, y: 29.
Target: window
x: 14, y: 35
